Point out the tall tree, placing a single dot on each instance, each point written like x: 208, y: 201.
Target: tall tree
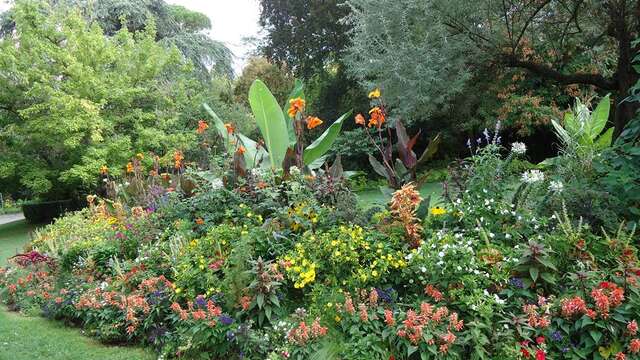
x: 306, y: 35
x: 73, y: 100
x: 585, y: 42
x: 175, y: 25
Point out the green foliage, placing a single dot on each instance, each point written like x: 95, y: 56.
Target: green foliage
x: 271, y: 122
x: 75, y: 100
x: 277, y: 78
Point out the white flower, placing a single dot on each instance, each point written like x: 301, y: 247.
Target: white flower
x: 423, y: 269
x: 216, y: 184
x: 441, y: 254
x: 518, y: 148
x: 556, y: 186
x: 294, y: 171
x: 498, y: 300
x: 533, y: 176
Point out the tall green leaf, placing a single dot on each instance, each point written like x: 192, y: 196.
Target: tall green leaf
x: 323, y: 143
x: 599, y: 117
x: 271, y: 122
x: 253, y: 155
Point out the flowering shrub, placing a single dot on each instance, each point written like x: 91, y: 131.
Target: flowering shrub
x: 284, y: 265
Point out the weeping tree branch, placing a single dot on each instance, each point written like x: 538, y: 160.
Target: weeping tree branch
x: 552, y: 74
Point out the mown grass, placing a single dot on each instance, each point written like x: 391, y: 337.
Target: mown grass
x: 373, y: 197
x: 35, y: 338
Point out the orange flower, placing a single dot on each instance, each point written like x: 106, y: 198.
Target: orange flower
x: 377, y: 117
x: 202, y: 126
x: 177, y: 159
x: 129, y: 167
x: 312, y: 122
x: 199, y: 221
x: 360, y: 119
x: 104, y: 170
x: 229, y: 128
x: 296, y: 106
x: 241, y: 150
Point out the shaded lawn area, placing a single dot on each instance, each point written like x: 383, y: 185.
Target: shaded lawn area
x: 33, y: 338
x: 373, y: 197
x: 13, y: 236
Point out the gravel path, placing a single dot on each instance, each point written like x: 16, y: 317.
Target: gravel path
x: 5, y: 219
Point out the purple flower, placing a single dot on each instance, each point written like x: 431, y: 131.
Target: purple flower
x: 516, y: 282
x: 556, y: 336
x: 225, y: 319
x: 200, y: 301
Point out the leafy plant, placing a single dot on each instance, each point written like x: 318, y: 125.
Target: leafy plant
x: 283, y: 139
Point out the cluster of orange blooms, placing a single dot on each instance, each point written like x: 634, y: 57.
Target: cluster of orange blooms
x: 377, y: 115
x: 404, y: 204
x: 209, y: 313
x: 202, y: 126
x: 177, y: 159
x: 302, y: 334
x: 297, y: 106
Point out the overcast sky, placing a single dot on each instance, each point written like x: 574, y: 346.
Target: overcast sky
x: 232, y: 20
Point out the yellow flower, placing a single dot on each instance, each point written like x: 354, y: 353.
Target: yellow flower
x: 129, y: 167
x: 374, y: 94
x: 438, y: 211
x: 178, y: 291
x: 296, y: 106
x: 140, y: 156
x: 104, y: 170
x: 337, y: 318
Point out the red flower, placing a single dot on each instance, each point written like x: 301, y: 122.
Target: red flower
x: 632, y: 327
x: 540, y: 340
x: 540, y: 355
x: 634, y: 346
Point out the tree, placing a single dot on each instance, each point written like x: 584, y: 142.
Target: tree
x: 277, y: 78
x: 175, y: 26
x: 305, y: 35
x: 73, y: 100
x: 586, y: 42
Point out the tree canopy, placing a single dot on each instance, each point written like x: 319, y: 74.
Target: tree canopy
x: 426, y: 44
x: 73, y: 99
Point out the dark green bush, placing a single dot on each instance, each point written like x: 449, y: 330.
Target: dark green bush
x: 47, y: 211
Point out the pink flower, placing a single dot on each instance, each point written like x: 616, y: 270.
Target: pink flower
x: 632, y: 327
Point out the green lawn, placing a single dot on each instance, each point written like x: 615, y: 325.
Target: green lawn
x: 34, y: 338
x: 13, y: 236
x: 368, y: 198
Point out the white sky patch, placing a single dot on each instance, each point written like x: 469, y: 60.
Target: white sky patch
x: 231, y: 21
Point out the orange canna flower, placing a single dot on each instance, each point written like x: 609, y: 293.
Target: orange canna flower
x: 177, y: 159
x: 229, y: 128
x: 104, y: 170
x: 241, y: 150
x: 202, y: 126
x: 199, y: 221
x: 377, y: 117
x: 360, y: 119
x: 296, y: 106
x: 312, y: 122
x: 129, y: 167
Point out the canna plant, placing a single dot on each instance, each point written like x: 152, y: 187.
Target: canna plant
x: 400, y: 170
x: 282, y: 130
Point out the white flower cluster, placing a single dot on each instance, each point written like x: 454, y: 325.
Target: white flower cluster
x: 556, y: 186
x: 533, y: 176
x: 518, y: 148
x: 216, y: 184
